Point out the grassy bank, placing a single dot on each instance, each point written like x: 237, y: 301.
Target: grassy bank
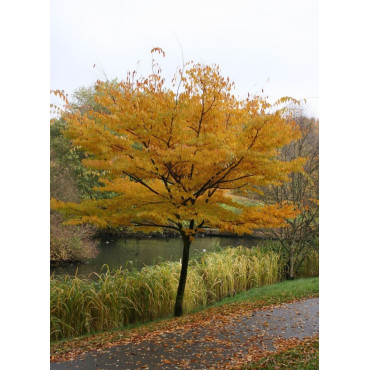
x: 119, y: 298
x: 304, y: 356
x: 80, y: 306
x: 244, y: 302
x: 281, y: 292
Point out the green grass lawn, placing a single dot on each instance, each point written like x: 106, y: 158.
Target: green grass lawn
x: 274, y: 293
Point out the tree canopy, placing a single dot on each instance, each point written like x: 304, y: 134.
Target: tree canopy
x: 173, y: 155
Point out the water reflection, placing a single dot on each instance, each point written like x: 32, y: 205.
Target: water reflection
x: 142, y: 252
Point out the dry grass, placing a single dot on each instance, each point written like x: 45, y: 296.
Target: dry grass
x: 118, y: 298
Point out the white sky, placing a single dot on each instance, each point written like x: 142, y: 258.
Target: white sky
x: 253, y: 42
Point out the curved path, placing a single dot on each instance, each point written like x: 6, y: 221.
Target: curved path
x: 219, y: 345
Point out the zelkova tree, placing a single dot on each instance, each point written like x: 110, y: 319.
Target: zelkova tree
x: 172, y: 156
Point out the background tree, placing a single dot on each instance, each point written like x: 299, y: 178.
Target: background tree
x: 70, y: 181
x: 302, y: 190
x: 172, y: 154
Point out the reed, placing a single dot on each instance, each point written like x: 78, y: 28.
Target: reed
x: 117, y: 298
x: 310, y: 265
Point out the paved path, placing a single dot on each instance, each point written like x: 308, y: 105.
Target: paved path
x: 211, y: 346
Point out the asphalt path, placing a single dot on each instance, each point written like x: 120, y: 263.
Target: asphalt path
x: 217, y: 346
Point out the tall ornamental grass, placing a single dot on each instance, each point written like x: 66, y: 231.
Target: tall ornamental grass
x: 121, y: 297
x: 310, y: 265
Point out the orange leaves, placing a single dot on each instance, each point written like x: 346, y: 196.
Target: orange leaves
x: 159, y: 51
x: 189, y: 232
x: 94, y: 220
x: 54, y: 108
x: 56, y: 204
x: 170, y: 156
x: 60, y: 94
x: 273, y: 216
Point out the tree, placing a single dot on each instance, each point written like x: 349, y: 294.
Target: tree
x: 172, y: 154
x: 69, y: 181
x: 302, y: 190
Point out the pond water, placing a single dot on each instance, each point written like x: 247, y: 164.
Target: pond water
x: 143, y: 252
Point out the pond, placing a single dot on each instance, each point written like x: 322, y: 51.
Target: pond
x: 143, y: 252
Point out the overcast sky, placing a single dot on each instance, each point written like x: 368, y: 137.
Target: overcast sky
x: 265, y: 44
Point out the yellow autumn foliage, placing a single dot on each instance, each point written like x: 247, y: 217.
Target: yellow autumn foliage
x: 171, y: 155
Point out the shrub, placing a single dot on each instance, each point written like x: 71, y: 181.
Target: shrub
x: 69, y: 243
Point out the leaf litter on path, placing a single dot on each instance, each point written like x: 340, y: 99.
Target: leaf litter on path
x: 226, y: 338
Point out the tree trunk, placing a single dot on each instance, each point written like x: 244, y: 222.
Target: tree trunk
x: 291, y: 267
x: 183, y: 274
